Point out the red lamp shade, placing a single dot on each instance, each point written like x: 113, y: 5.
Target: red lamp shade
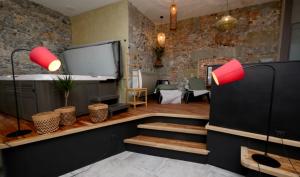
x: 43, y: 57
x: 229, y: 72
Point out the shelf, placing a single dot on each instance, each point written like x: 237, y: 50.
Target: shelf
x: 251, y: 135
x: 137, y: 102
x: 136, y: 89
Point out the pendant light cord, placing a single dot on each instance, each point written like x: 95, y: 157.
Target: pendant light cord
x: 227, y: 6
x: 161, y: 22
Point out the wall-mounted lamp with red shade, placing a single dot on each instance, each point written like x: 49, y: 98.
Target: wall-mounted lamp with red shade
x: 43, y: 57
x: 233, y: 71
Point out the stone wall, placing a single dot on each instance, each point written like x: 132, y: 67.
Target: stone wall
x: 196, y: 40
x: 204, y: 63
x: 24, y: 24
x: 141, y: 42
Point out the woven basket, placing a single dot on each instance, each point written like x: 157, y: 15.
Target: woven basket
x: 98, y: 112
x: 46, y: 122
x: 67, y: 115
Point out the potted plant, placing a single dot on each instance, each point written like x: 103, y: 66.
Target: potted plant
x: 67, y: 113
x: 65, y: 84
x: 159, y: 52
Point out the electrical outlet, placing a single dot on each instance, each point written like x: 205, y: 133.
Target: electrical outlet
x: 280, y: 133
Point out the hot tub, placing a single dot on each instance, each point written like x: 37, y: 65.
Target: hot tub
x: 50, y: 77
x: 37, y: 93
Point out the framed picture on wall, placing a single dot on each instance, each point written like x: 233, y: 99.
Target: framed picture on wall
x: 208, y: 74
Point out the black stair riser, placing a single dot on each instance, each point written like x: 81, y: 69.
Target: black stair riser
x: 252, y: 173
x: 167, y: 153
x: 173, y: 135
x: 185, y: 121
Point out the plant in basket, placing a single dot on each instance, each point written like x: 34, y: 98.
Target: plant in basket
x: 65, y: 84
x: 67, y: 113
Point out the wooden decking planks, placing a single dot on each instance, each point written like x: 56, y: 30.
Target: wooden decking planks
x: 8, y: 123
x: 257, y: 136
x: 171, y: 127
x: 285, y: 170
x: 170, y: 144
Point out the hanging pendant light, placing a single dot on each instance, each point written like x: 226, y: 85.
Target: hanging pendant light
x: 173, y: 16
x: 227, y: 22
x: 161, y: 37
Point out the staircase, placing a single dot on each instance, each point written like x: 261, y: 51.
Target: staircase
x: 179, y: 138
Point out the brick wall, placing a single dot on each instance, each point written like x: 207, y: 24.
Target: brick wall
x: 24, y: 24
x: 197, y: 40
x: 141, y: 43
x: 204, y: 63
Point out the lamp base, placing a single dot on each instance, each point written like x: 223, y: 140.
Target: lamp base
x: 266, y: 160
x: 18, y: 133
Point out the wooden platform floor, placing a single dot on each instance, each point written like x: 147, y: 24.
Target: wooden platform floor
x: 8, y: 123
x: 289, y: 167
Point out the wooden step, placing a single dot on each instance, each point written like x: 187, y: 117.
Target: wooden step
x: 163, y: 143
x: 171, y: 127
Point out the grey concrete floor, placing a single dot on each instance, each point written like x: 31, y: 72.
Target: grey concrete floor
x: 129, y: 164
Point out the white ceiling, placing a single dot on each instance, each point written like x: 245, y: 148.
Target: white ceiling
x: 153, y: 9
x: 74, y: 7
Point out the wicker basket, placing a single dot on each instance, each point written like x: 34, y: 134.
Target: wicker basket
x: 46, y: 122
x: 98, y: 112
x: 67, y: 115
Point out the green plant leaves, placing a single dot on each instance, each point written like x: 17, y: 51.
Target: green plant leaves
x: 64, y: 83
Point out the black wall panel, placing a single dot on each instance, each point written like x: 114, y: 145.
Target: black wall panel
x: 243, y: 105
x: 57, y: 156
x: 225, y: 151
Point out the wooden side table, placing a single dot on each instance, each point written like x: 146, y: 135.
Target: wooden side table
x: 136, y: 92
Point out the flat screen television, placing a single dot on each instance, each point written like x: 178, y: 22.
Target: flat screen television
x: 101, y: 59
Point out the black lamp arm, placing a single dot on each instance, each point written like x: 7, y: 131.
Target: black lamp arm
x: 271, y: 99
x: 14, y: 83
x: 12, y: 59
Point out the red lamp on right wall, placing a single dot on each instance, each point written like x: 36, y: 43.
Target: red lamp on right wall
x: 233, y: 71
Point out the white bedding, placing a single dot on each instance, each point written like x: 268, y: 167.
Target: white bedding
x: 200, y: 92
x: 171, y: 96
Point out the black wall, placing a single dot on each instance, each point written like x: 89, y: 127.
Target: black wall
x: 243, y: 105
x: 225, y: 151
x: 57, y: 156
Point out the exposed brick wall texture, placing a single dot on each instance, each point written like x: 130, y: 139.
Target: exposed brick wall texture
x: 141, y: 43
x: 24, y: 24
x: 197, y: 40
